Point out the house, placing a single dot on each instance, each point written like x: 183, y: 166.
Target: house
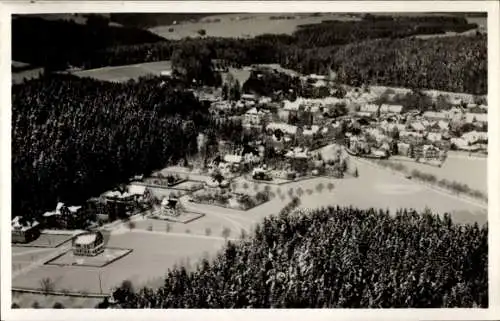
x: 434, y: 137
x: 170, y: 206
x: 460, y: 143
x: 418, y: 126
x: 369, y: 108
x: 436, y: 116
x: 286, y: 129
x: 430, y: 152
x: 88, y: 244
x: 249, y: 97
x: 316, y: 77
x: 261, y: 173
x: 254, y: 117
x: 473, y: 137
x: 24, y: 232
x: 411, y: 137
x: 221, y: 105
x: 474, y: 117
x: 233, y: 159
x: 138, y: 191
x: 392, y: 109
x: 61, y: 215
x: 311, y: 130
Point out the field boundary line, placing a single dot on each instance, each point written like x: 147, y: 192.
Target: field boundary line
x: 183, y: 235
x: 58, y: 293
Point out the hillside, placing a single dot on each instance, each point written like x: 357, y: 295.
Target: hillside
x: 335, y: 258
x: 55, y: 43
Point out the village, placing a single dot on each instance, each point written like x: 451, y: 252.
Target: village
x: 292, y: 143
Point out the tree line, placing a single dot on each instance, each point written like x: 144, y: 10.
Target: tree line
x: 335, y: 258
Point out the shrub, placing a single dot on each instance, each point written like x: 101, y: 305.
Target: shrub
x: 208, y: 231
x: 46, y: 285
x: 226, y: 232
x: 58, y: 305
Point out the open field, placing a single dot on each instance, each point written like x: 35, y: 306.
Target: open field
x: 26, y: 301
x: 48, y: 240
x: 242, y: 25
x: 127, y: 72
x: 471, y: 171
x: 144, y: 263
x: 20, y: 76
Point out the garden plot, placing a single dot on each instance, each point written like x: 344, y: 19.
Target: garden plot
x: 184, y: 218
x: 107, y: 257
x: 231, y: 200
x: 153, y: 253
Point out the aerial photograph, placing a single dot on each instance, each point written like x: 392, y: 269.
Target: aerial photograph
x: 249, y: 160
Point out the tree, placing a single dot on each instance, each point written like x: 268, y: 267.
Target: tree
x: 356, y: 174
x: 202, y: 32
x: 58, y: 305
x: 320, y: 187
x: 15, y: 306
x: 235, y: 91
x: 208, y: 231
x: 168, y: 227
x: 330, y: 186
x: 300, y: 192
x: 46, y: 285
x: 245, y: 186
x: 226, y: 232
x: 35, y: 305
x: 218, y: 177
x: 131, y: 225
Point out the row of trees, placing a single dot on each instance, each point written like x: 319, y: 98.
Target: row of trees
x: 336, y: 258
x: 373, y: 27
x: 74, y: 138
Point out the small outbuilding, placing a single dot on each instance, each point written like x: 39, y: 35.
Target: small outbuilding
x: 88, y: 244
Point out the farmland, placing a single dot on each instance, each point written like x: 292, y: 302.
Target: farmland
x: 169, y: 249
x: 243, y: 25
x: 127, y: 72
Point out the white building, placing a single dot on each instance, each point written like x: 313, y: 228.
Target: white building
x: 392, y: 109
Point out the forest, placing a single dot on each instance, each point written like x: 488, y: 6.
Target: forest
x: 74, y: 138
x: 334, y: 258
x: 56, y: 44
